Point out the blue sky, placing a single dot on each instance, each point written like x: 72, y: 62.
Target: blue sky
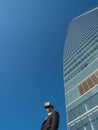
x: 32, y: 36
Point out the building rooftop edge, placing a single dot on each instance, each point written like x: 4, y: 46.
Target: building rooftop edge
x: 87, y: 12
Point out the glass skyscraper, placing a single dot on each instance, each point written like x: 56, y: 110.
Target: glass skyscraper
x: 80, y: 69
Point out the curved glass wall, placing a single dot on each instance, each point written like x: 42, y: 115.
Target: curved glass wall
x: 80, y: 69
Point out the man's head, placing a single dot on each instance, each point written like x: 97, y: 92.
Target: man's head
x: 48, y: 106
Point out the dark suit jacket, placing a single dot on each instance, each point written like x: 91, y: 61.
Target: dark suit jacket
x: 52, y: 122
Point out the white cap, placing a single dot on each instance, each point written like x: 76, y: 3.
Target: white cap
x: 46, y: 104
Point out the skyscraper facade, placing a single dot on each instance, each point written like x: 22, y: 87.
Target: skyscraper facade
x: 80, y: 69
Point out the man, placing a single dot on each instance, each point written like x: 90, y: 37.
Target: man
x: 52, y: 121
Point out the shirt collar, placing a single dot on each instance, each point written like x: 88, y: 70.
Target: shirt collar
x: 50, y: 113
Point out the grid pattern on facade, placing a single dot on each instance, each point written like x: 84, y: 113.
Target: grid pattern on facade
x: 83, y: 107
x: 87, y: 122
x: 80, y: 66
x: 81, y: 45
x: 88, y: 83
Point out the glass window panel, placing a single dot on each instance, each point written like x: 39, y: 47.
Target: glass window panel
x: 96, y: 115
x: 91, y: 117
x: 84, y: 121
x: 90, y: 103
x: 76, y: 112
x: 96, y: 98
x: 93, y: 121
x: 94, y: 125
x: 87, y: 105
x: 72, y: 127
x: 82, y: 128
x: 81, y: 109
x: 93, y: 101
x: 97, y: 121
x: 87, y: 127
x: 70, y: 115
x: 78, y: 124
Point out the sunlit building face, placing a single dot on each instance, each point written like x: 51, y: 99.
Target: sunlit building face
x: 80, y: 69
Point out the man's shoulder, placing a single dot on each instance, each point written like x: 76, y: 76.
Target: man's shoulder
x: 55, y: 113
